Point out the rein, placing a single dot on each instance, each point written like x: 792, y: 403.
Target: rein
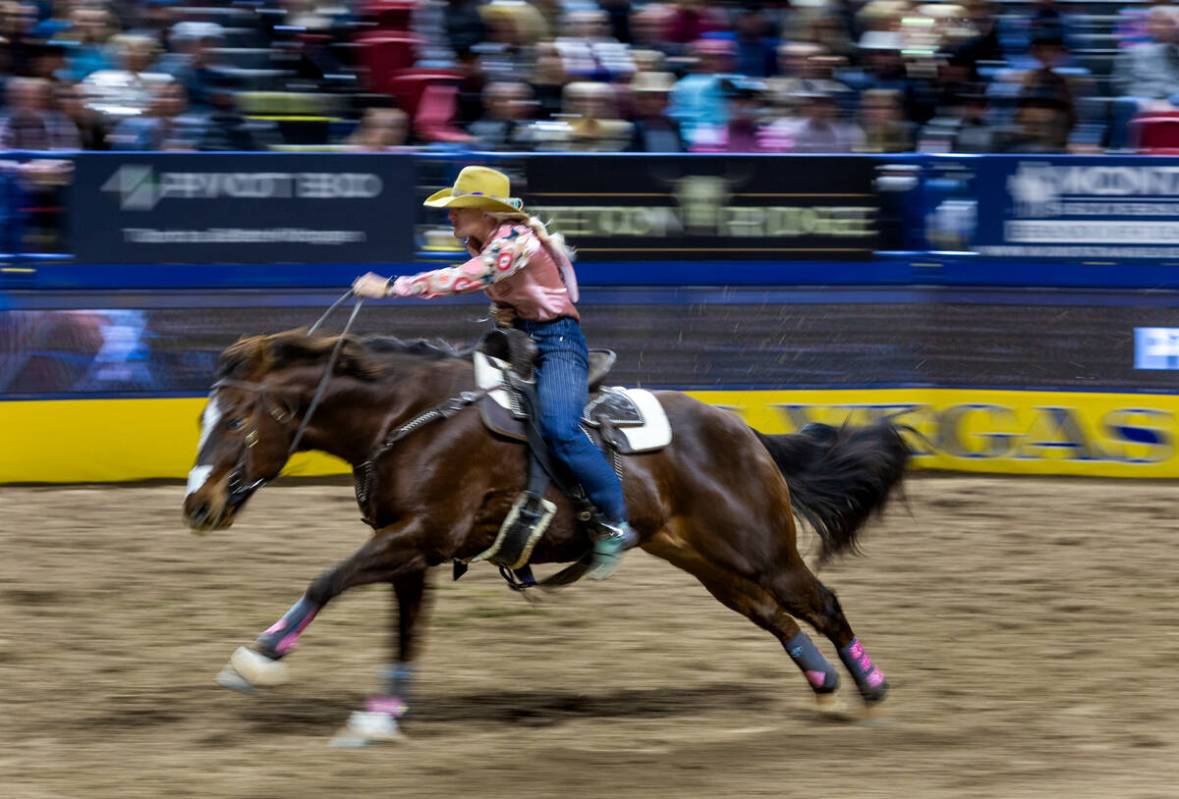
x: 366, y: 472
x: 239, y: 490
x: 331, y: 365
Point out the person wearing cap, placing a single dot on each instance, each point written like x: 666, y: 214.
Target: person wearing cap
x: 529, y: 276
x: 192, y: 62
x: 652, y: 130
x: 698, y: 99
x: 743, y: 132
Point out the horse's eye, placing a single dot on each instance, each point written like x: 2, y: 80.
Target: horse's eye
x: 235, y: 424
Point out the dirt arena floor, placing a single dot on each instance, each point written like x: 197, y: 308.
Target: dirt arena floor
x: 1028, y: 628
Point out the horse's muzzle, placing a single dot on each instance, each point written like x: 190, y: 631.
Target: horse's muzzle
x: 202, y: 519
x: 205, y: 511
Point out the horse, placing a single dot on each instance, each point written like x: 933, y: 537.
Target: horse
x: 716, y: 501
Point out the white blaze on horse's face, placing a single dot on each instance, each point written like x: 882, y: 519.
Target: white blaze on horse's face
x: 209, y: 419
x: 197, y: 478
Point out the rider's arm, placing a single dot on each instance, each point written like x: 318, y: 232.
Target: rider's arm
x: 502, y: 258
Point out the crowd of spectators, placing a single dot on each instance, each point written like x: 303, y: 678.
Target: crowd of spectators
x: 880, y: 76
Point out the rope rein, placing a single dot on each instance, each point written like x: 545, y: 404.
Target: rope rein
x: 321, y: 389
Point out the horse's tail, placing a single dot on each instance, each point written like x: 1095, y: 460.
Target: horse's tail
x: 840, y: 477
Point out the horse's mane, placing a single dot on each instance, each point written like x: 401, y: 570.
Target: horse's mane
x: 362, y: 357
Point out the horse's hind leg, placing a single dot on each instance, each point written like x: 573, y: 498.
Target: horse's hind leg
x: 756, y: 604
x: 804, y: 597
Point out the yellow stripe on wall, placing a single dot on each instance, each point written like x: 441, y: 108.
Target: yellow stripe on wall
x: 1013, y: 432
x: 111, y: 440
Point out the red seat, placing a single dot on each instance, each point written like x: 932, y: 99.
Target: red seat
x: 1156, y: 133
x: 386, y: 54
x: 407, y: 87
x: 390, y: 15
x: 434, y: 120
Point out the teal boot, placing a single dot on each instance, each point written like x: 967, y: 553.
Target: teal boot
x: 610, y: 541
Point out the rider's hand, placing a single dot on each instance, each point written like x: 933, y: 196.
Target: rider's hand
x: 371, y: 286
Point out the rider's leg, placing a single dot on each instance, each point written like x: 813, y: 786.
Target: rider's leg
x: 562, y: 391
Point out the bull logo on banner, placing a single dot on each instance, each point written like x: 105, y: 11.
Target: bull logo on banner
x: 703, y: 199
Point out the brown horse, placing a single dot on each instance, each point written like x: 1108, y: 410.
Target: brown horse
x: 716, y: 501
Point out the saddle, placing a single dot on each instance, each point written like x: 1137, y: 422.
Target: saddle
x: 621, y: 421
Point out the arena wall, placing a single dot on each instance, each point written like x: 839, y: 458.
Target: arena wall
x: 959, y: 296
x: 1008, y: 432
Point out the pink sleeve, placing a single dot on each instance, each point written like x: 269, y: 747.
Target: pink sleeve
x: 503, y: 257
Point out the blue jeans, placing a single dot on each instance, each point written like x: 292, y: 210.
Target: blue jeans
x: 561, y: 386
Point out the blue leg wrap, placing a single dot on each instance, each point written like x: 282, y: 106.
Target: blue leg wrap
x: 819, y: 672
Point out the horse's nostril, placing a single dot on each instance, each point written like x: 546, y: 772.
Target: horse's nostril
x: 202, y: 512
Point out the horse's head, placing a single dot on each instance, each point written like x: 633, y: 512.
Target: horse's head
x: 263, y: 396
x: 247, y: 428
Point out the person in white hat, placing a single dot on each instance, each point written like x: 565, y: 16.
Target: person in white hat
x: 529, y: 276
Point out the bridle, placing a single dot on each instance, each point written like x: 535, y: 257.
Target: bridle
x: 240, y: 487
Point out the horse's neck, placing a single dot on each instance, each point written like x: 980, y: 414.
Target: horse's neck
x: 355, y: 416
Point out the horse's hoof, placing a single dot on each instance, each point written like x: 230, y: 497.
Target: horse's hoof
x: 874, y: 695
x: 365, y: 727
x: 257, y: 669
x: 832, y: 706
x: 231, y: 679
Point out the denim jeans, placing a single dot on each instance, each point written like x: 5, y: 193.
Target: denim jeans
x: 561, y: 386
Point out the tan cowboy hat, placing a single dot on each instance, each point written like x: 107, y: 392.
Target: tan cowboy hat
x: 478, y: 187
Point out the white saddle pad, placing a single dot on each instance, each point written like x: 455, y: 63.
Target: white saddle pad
x: 654, y: 433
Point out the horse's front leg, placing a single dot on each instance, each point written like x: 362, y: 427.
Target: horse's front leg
x: 379, y: 720
x: 410, y: 593
x: 390, y: 555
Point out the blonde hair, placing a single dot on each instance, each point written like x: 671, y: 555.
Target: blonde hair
x: 554, y: 242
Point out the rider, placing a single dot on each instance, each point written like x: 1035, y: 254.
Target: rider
x: 528, y: 275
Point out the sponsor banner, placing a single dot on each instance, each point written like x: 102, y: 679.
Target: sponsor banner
x: 1078, y: 207
x: 1003, y: 432
x: 235, y: 208
x: 624, y: 208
